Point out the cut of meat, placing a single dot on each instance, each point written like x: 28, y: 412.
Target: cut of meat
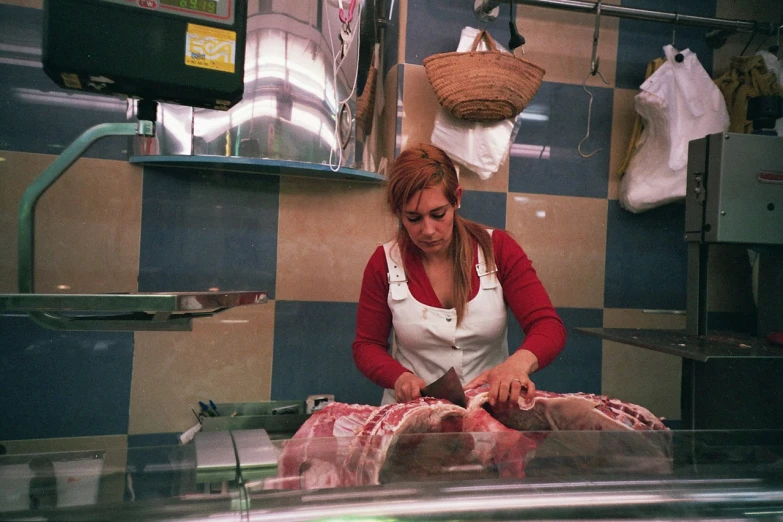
x: 568, y: 411
x: 498, y: 447
x: 313, y: 456
x: 354, y: 445
x: 368, y: 451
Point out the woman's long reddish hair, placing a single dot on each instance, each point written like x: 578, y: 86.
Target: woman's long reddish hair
x: 425, y: 166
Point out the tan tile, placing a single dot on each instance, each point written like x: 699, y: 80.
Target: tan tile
x: 87, y: 225
x: 562, y: 43
x: 638, y: 375
x: 623, y: 118
x: 759, y: 10
x: 226, y: 358
x: 35, y: 4
x: 420, y: 109
x: 565, y: 237
x: 327, y: 231
x: 637, y: 318
x: 114, y: 448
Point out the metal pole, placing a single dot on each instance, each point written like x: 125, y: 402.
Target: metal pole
x: 656, y: 16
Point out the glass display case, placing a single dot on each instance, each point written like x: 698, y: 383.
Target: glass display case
x: 561, y: 475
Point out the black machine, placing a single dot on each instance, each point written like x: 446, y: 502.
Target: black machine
x: 189, y: 52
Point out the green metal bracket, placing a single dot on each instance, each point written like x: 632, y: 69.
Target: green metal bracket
x: 52, y: 174
x: 113, y: 312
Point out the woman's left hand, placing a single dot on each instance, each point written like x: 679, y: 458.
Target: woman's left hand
x: 509, y: 380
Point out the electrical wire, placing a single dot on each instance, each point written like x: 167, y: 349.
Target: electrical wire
x: 335, y: 70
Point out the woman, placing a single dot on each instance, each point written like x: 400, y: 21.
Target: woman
x: 443, y: 285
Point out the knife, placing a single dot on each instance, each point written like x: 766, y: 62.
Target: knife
x: 448, y: 387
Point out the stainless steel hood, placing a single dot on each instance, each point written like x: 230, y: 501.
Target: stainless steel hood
x: 304, y: 67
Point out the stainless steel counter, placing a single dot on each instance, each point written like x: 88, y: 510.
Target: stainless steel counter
x: 573, y: 475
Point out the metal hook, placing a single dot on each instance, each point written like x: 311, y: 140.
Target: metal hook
x: 589, y: 114
x: 674, y: 27
x: 594, y: 58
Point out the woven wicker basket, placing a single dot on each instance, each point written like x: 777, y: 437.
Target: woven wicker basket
x: 365, y: 104
x: 483, y: 85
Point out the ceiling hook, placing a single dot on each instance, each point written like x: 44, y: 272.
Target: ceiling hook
x: 594, y: 60
x: 674, y: 27
x: 589, y: 115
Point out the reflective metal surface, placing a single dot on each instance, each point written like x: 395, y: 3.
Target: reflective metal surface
x: 303, y: 69
x: 700, y: 348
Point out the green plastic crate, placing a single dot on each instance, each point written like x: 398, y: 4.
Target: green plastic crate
x: 278, y: 418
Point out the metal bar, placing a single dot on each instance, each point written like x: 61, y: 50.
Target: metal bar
x: 610, y: 498
x: 746, y: 26
x: 698, y: 259
x: 48, y: 177
x: 158, y: 302
x: 124, y: 323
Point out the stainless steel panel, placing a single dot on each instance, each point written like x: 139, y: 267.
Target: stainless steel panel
x: 215, y: 457
x: 300, y: 95
x: 741, y: 206
x: 256, y: 455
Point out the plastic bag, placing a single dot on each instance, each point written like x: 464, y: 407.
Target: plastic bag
x: 678, y: 103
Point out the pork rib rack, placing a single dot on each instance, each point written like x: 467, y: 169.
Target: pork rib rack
x: 352, y: 445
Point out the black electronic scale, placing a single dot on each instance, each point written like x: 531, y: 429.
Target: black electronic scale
x: 189, y: 52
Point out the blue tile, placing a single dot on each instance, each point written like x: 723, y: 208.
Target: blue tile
x: 152, y: 470
x: 544, y: 158
x: 449, y: 17
x: 35, y: 114
x: 646, y: 258
x: 202, y: 230
x: 578, y: 367
x: 312, y: 353
x: 487, y: 208
x: 640, y: 41
x: 63, y: 384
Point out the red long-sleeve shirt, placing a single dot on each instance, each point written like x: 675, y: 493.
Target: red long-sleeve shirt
x: 522, y: 292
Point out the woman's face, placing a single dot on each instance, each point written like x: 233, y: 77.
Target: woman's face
x: 428, y: 217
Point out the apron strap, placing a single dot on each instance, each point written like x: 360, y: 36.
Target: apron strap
x: 488, y: 279
x: 398, y: 283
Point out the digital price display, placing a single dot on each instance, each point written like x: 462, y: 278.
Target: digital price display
x: 202, y: 6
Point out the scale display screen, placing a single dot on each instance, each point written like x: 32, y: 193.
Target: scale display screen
x: 202, y: 6
x: 211, y: 11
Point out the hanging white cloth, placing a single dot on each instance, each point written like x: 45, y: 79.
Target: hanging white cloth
x: 678, y: 103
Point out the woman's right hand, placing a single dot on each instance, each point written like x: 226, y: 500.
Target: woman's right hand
x: 408, y: 387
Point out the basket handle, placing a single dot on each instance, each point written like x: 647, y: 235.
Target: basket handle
x: 487, y: 38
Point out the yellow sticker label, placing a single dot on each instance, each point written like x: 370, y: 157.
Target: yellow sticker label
x: 210, y: 48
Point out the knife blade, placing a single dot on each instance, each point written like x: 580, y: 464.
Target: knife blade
x: 448, y: 387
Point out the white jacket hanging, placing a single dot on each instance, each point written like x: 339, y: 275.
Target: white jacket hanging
x: 678, y: 103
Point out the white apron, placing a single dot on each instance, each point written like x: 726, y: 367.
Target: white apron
x: 428, y: 341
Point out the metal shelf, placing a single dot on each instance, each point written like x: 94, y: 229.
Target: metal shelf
x: 699, y: 348
x: 120, y: 312
x: 258, y: 166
